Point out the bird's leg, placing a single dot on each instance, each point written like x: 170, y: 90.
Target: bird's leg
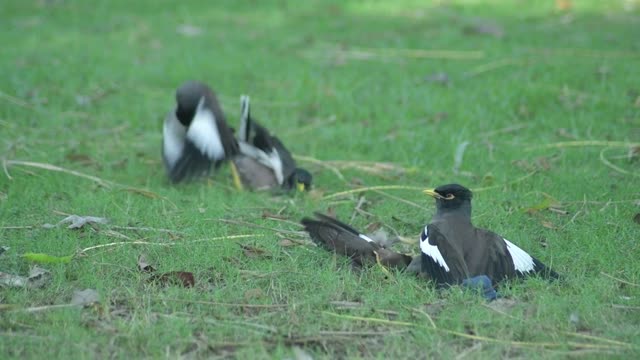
x: 384, y: 269
x: 236, y: 178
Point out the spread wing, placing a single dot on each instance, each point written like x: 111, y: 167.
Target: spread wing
x: 507, y: 260
x: 340, y: 240
x: 183, y: 159
x: 439, y: 261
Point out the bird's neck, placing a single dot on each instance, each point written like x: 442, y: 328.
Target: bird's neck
x: 463, y: 211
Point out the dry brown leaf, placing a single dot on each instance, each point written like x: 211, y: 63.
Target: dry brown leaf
x: 548, y: 224
x: 290, y: 242
x: 180, y: 278
x: 254, y: 252
x: 341, y: 304
x: 253, y: 294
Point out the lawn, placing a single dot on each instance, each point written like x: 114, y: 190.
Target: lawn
x: 533, y: 104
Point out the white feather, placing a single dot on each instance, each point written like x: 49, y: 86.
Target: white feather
x: 271, y: 160
x: 173, y: 133
x: 522, y: 261
x: 204, y: 134
x: 432, y: 251
x: 365, y: 237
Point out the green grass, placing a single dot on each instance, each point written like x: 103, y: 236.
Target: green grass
x: 553, y: 77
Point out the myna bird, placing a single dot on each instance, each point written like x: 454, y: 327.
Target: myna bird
x: 264, y: 163
x: 195, y: 135
x: 342, y: 239
x: 453, y: 249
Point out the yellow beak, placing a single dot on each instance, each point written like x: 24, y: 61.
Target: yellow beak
x: 300, y: 187
x: 432, y: 193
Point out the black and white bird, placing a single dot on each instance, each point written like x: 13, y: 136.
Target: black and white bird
x: 264, y: 162
x: 453, y: 249
x: 195, y: 135
x: 343, y: 239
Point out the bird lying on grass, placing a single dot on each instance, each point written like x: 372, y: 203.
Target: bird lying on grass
x: 195, y: 135
x: 263, y: 162
x: 341, y: 238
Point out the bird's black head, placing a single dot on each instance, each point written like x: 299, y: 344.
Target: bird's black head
x: 301, y: 180
x: 188, y: 96
x: 450, y: 196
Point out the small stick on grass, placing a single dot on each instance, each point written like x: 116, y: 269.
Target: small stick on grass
x: 371, y: 188
x: 99, y: 181
x: 582, y: 144
x: 619, y: 280
x: 608, y: 163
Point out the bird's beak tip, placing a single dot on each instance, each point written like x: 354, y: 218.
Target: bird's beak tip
x: 300, y: 187
x: 430, y: 192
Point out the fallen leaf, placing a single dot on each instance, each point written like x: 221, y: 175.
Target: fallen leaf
x: 143, y: 265
x: 81, y: 159
x: 346, y: 304
x: 78, y: 222
x: 548, y: 224
x: 38, y: 277
x: 180, y: 278
x: 438, y: 78
x: 543, y: 205
x: 269, y: 215
x: 484, y: 28
x: 288, y: 243
x: 43, y: 258
x: 253, y: 294
x: 563, y: 5
x: 85, y: 297
x: 636, y: 218
x: 254, y: 252
x: 189, y: 30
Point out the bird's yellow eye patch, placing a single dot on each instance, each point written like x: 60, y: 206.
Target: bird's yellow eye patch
x: 449, y: 197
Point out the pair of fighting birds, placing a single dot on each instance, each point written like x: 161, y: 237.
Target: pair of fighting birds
x: 196, y: 137
x: 453, y: 251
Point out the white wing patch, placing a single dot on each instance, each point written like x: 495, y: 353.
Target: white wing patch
x: 431, y: 250
x: 204, y: 134
x: 365, y: 237
x: 271, y: 160
x: 173, y: 133
x: 522, y: 261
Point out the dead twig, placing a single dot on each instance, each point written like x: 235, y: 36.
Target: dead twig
x: 99, y: 181
x: 608, y: 163
x: 257, y: 306
x: 564, y: 144
x: 619, y: 280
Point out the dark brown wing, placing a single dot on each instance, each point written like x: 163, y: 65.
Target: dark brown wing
x: 339, y: 224
x: 343, y: 242
x: 498, y: 263
x: 394, y: 260
x: 506, y: 260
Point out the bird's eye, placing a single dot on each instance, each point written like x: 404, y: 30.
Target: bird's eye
x: 449, y: 197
